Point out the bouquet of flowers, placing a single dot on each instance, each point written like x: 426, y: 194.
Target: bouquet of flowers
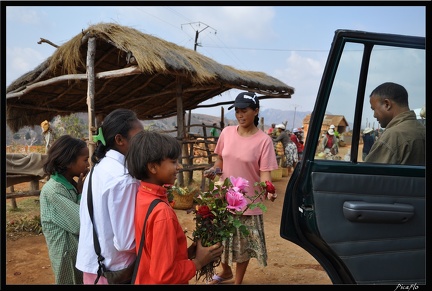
x: 218, y: 211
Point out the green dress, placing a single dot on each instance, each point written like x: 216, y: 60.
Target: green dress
x: 59, y: 213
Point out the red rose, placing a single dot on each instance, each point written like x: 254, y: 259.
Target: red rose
x: 204, y: 212
x: 270, y: 188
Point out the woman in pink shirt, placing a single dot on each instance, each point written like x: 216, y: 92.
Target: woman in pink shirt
x: 244, y: 151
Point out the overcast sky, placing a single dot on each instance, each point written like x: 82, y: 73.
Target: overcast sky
x: 290, y: 43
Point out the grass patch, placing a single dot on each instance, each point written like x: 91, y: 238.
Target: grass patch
x: 24, y: 218
x: 25, y: 224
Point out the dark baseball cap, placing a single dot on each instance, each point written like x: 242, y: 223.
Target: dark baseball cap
x: 244, y: 100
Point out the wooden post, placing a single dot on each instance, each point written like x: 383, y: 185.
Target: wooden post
x: 34, y: 185
x: 206, y: 145
x: 91, y: 53
x: 222, y: 122
x: 190, y: 148
x: 203, y: 181
x: 180, y: 127
x: 13, y: 200
x: 189, y: 121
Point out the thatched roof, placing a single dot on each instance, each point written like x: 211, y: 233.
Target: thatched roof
x: 133, y: 70
x: 337, y: 120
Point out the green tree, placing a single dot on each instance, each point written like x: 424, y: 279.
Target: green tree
x: 72, y: 125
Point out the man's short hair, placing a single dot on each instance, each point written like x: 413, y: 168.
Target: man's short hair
x: 392, y: 91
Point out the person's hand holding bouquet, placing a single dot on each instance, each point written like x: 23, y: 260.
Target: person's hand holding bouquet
x: 212, y: 172
x: 271, y: 191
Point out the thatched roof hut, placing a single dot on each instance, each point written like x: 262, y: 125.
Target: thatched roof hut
x: 131, y: 70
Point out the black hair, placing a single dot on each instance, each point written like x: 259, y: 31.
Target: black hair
x: 255, y: 106
x: 119, y: 121
x: 150, y: 147
x: 64, y: 151
x: 392, y: 91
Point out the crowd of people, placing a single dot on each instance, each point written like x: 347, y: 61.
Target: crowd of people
x: 93, y: 227
x: 292, y: 145
x: 131, y: 167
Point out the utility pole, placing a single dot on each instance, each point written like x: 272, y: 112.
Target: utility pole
x: 185, y: 147
x: 197, y: 32
x: 295, y: 110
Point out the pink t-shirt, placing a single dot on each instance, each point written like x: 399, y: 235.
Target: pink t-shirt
x: 245, y: 157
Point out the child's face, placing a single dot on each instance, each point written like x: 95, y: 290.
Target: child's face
x: 81, y: 165
x: 167, y: 171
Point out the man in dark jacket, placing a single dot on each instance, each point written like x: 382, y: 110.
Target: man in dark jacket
x: 404, y: 138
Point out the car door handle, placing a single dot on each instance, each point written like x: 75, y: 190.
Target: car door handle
x: 360, y: 211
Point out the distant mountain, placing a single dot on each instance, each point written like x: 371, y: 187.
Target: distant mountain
x: 33, y: 135
x: 270, y: 116
x: 169, y: 124
x: 278, y: 116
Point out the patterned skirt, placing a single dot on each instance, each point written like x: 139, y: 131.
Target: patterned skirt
x: 291, y: 155
x: 240, y: 248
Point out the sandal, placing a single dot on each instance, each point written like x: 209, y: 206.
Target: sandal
x: 216, y: 280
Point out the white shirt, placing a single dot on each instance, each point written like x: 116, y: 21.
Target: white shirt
x: 114, y: 192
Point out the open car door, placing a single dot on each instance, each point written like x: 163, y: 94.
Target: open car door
x: 365, y: 223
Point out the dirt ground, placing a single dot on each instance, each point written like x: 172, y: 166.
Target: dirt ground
x: 27, y: 261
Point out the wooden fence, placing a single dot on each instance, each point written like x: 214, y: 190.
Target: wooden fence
x: 197, y: 156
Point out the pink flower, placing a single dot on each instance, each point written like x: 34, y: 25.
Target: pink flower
x: 239, y: 184
x: 236, y: 200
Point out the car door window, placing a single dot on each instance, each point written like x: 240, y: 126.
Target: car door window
x: 409, y: 71
x: 341, y: 107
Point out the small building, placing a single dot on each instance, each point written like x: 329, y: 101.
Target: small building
x: 338, y: 121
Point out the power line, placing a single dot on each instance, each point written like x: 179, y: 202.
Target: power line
x: 269, y: 49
